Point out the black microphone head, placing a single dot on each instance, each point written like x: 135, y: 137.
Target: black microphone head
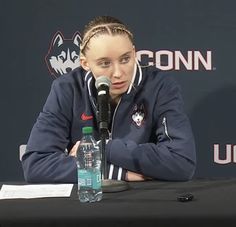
x: 103, y: 115
x: 102, y: 80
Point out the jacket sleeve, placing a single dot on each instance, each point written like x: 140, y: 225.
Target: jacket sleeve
x: 45, y: 159
x: 173, y: 156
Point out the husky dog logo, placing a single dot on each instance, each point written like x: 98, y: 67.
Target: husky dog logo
x: 63, y: 54
x: 138, y: 115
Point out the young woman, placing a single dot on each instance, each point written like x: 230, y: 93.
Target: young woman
x: 151, y: 136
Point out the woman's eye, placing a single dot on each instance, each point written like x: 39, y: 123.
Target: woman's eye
x: 104, y: 64
x: 125, y: 59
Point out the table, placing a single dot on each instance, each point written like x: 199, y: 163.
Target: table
x: 151, y: 203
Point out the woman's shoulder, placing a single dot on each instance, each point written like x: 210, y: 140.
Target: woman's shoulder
x: 73, y: 78
x: 155, y: 75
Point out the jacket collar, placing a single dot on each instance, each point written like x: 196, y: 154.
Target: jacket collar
x: 135, y: 82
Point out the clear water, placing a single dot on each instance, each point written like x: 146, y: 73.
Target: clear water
x: 89, y: 170
x: 89, y: 195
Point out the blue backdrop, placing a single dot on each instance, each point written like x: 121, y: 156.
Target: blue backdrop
x: 195, y: 39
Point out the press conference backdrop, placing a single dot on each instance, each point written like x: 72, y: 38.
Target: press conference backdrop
x: 195, y: 40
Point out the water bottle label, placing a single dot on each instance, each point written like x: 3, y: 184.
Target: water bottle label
x: 89, y: 178
x: 84, y: 178
x: 97, y: 180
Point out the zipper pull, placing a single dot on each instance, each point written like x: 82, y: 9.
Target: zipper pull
x: 165, y: 128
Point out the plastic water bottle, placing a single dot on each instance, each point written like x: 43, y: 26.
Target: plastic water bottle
x: 89, y: 168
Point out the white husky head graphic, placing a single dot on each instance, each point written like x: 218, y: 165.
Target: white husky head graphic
x: 63, y: 54
x: 138, y: 115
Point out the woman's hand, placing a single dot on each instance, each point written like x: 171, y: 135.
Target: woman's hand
x: 74, y: 149
x: 131, y: 176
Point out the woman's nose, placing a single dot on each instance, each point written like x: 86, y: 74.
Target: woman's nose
x: 117, y: 72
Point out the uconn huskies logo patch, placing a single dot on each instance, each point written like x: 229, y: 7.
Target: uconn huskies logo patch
x: 63, y: 54
x: 138, y: 115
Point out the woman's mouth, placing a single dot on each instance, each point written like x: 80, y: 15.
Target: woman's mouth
x: 118, y: 85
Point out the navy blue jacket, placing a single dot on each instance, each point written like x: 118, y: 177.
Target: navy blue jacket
x: 150, y: 133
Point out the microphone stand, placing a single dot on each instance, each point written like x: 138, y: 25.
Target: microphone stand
x: 109, y: 185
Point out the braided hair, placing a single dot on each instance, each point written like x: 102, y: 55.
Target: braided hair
x: 103, y: 25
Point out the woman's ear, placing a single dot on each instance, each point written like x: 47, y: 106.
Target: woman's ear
x: 83, y: 62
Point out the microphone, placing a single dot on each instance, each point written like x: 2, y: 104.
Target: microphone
x: 103, y: 115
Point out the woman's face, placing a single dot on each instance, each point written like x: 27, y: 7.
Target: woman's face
x: 113, y: 57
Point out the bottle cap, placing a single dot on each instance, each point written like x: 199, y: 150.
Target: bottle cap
x: 87, y: 130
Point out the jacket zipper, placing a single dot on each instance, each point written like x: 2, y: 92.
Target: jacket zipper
x: 165, y: 128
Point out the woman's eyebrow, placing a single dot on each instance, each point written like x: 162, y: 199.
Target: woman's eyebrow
x: 102, y: 59
x: 106, y: 58
x: 127, y: 53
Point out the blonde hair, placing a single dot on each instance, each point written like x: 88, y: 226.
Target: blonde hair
x: 103, y: 25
